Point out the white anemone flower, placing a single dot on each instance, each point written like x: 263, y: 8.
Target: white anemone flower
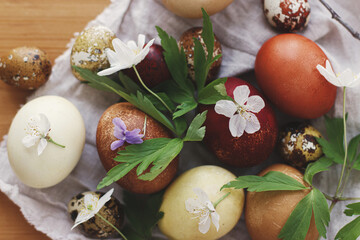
x: 37, y: 130
x: 126, y: 55
x: 91, y: 206
x: 241, y: 112
x: 203, y: 208
x: 345, y: 79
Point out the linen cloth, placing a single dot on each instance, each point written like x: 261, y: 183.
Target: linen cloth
x: 242, y: 29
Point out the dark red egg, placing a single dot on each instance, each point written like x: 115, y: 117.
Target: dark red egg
x: 249, y: 149
x: 152, y: 69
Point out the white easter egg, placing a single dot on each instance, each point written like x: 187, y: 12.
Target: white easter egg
x: 55, y: 163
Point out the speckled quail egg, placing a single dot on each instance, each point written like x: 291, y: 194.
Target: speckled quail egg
x: 298, y: 145
x: 88, y: 50
x: 186, y: 41
x: 95, y: 227
x: 287, y: 15
x: 25, y: 67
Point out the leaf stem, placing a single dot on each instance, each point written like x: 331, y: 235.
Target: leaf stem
x: 109, y: 223
x: 220, y: 199
x: 336, y: 16
x: 345, y: 146
x: 149, y: 90
x: 49, y: 139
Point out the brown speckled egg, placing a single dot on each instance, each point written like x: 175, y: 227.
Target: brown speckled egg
x: 88, y: 50
x: 133, y: 119
x: 25, y: 67
x: 186, y: 41
x: 153, y: 69
x: 287, y: 15
x: 298, y: 145
x: 95, y: 227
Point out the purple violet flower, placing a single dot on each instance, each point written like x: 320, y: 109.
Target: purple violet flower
x: 121, y: 133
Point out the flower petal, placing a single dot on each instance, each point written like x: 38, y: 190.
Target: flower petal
x: 122, y: 50
x: 104, y: 199
x: 119, y: 133
x: 132, y: 45
x: 43, y: 124
x: 237, y: 125
x: 30, y: 140
x: 241, y: 94
x: 116, y: 144
x: 252, y: 123
x: 346, y: 77
x: 202, y: 196
x: 204, y: 224
x: 225, y: 107
x: 112, y: 57
x: 328, y: 75
x: 255, y: 104
x: 141, y: 41
x: 41, y: 146
x: 133, y: 137
x: 119, y: 123
x: 355, y: 82
x: 192, y: 205
x: 82, y: 217
x: 215, y: 218
x: 111, y: 70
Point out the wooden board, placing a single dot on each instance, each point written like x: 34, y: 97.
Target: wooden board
x: 49, y: 25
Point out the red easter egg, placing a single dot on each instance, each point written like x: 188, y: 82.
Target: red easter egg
x: 248, y: 149
x: 285, y: 69
x: 153, y: 69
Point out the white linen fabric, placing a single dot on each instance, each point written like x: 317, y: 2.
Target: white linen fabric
x: 242, y: 29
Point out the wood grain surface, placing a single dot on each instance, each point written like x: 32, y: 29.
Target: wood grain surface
x: 49, y: 25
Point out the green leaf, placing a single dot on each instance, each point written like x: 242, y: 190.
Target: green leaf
x: 214, y: 92
x: 272, y: 181
x: 330, y: 151
x: 166, y: 155
x: 196, y: 132
x: 350, y: 231
x: 176, y: 62
x: 353, y: 209
x: 298, y: 223
x: 159, y: 105
x: 353, y: 148
x: 357, y: 163
x: 335, y: 132
x: 175, y: 93
x: 208, y: 34
x: 157, y: 151
x: 184, y: 108
x: 99, y: 82
x: 180, y: 125
x: 321, y: 212
x: 320, y: 165
x: 142, y: 213
x: 200, y: 64
x: 128, y: 83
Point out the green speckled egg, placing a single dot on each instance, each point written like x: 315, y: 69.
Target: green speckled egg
x: 95, y: 227
x: 88, y: 50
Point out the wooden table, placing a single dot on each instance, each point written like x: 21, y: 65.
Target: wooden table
x: 49, y: 25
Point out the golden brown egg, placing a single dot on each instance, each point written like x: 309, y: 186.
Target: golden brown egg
x: 267, y: 212
x: 133, y: 118
x: 25, y: 67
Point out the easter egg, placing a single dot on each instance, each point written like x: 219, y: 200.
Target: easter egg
x: 267, y: 212
x: 179, y: 222
x: 42, y: 120
x: 89, y: 48
x: 192, y: 8
x: 153, y: 69
x: 95, y: 227
x: 25, y: 67
x: 246, y: 150
x: 133, y: 118
x: 285, y: 69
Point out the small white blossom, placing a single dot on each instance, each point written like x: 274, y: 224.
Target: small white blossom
x: 345, y: 79
x: 202, y: 207
x: 241, y: 112
x: 126, y: 55
x: 92, y: 205
x: 37, y: 130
